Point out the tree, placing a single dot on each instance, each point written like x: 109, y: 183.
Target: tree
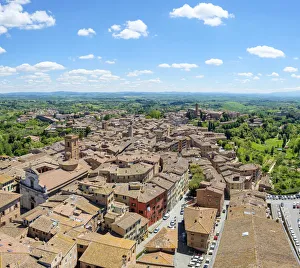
x: 284, y: 141
x: 197, y: 177
x: 87, y: 131
x: 155, y: 114
x: 272, y: 150
x: 247, y: 158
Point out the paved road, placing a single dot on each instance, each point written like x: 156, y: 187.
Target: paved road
x: 163, y: 223
x: 183, y: 257
x: 291, y: 216
x: 183, y: 254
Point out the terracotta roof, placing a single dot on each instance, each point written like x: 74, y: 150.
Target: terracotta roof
x: 22, y: 260
x: 14, y: 230
x: 5, y: 178
x: 129, y: 219
x: 164, y: 239
x: 108, y: 239
x: 62, y: 243
x: 44, y: 224
x: 199, y: 219
x: 7, y: 198
x: 112, y: 257
x: 254, y: 242
x: 157, y: 258
x: 54, y: 178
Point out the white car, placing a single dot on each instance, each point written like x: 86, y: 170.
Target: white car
x: 166, y: 216
x: 192, y: 263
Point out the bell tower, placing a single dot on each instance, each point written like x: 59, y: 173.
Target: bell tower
x: 71, y: 147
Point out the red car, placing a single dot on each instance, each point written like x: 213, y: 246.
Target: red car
x: 215, y: 237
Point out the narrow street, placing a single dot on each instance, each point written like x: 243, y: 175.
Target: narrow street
x: 163, y: 223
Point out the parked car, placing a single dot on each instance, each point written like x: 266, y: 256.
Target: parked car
x: 191, y: 264
x: 172, y: 223
x: 210, y: 252
x: 166, y: 216
x: 181, y: 212
x: 156, y: 230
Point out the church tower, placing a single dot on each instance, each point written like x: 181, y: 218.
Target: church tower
x: 71, y: 147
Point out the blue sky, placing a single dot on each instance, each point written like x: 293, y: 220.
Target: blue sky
x: 189, y: 46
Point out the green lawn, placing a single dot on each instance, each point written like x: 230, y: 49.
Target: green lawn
x: 268, y: 145
x: 274, y: 142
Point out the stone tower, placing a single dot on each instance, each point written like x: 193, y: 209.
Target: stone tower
x: 130, y: 131
x: 197, y: 109
x: 71, y: 147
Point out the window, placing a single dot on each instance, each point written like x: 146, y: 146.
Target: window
x: 80, y: 246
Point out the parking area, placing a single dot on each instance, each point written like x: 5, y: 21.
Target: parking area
x: 287, y: 210
x: 205, y: 260
x: 185, y: 256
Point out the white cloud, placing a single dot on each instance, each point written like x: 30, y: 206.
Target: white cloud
x: 12, y: 15
x: 37, y: 77
x: 80, y: 76
x: 87, y: 57
x: 240, y: 58
x: 296, y: 58
x: 86, y: 32
x: 182, y: 79
x: 277, y: 79
x: 99, y: 58
x: 290, y: 69
x: 245, y: 81
x: 156, y: 80
x: 210, y: 14
x: 216, y: 62
x: 137, y: 73
x: 110, y: 62
x: 245, y: 74
x: 6, y: 71
x: 182, y: 66
x: 109, y: 77
x: 48, y: 66
x: 3, y: 30
x: 2, y: 50
x: 96, y: 72
x: 114, y: 28
x: 256, y: 78
x: 273, y: 74
x: 133, y: 30
x: 164, y: 65
x: 200, y: 76
x: 44, y: 66
x: 259, y: 74
x: 266, y: 52
x: 295, y: 76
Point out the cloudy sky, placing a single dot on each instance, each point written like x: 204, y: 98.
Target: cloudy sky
x: 170, y: 45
